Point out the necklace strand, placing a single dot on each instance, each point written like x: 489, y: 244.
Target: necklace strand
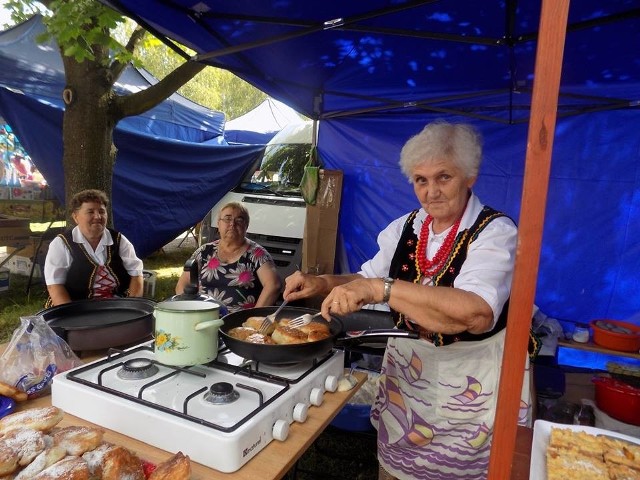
x: 429, y: 267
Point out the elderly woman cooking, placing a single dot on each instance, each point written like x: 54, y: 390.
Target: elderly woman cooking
x: 235, y: 270
x: 91, y: 261
x: 445, y: 271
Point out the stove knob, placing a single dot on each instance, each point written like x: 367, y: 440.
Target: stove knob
x: 281, y: 430
x: 331, y: 383
x: 300, y: 412
x: 316, y: 397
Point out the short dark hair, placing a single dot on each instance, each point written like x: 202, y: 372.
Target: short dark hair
x: 244, y: 213
x: 90, y: 195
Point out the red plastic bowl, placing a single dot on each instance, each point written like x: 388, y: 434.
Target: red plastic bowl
x: 622, y: 342
x: 618, y: 399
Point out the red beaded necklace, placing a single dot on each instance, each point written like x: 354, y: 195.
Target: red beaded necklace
x: 429, y: 267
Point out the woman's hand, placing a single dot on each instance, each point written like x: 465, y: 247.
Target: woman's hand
x: 352, y: 296
x: 300, y: 285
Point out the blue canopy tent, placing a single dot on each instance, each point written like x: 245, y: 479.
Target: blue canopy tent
x: 173, y: 163
x: 373, y: 73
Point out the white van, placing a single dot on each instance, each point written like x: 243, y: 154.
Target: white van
x: 271, y: 194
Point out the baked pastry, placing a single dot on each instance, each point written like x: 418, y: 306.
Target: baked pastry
x: 8, y: 460
x: 69, y: 468
x: 26, y: 443
x: 46, y: 458
x: 12, y: 392
x: 77, y: 439
x: 260, y: 338
x: 42, y: 419
x: 256, y: 322
x: 241, y: 333
x: 113, y: 462
x: 316, y: 327
x: 317, y: 335
x: 177, y: 467
x: 287, y: 335
x: 579, y: 455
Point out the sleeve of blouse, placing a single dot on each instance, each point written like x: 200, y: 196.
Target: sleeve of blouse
x: 129, y: 258
x: 488, y: 269
x: 57, y: 262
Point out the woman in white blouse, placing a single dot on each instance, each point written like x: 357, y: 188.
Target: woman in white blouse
x: 91, y: 261
x: 445, y: 271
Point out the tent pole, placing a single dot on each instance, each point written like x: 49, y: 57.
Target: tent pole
x: 548, y: 67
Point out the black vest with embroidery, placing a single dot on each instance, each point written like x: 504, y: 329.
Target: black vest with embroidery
x: 403, y: 267
x: 83, y: 269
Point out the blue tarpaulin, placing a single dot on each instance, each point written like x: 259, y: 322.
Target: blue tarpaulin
x: 173, y: 163
x: 373, y: 73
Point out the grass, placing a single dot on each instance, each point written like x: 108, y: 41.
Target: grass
x: 16, y: 303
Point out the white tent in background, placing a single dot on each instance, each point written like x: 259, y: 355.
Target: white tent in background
x: 262, y: 123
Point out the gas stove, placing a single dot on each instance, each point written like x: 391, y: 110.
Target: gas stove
x: 220, y: 414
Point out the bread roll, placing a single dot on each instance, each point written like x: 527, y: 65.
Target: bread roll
x: 26, y: 442
x: 113, y: 462
x: 69, y: 468
x: 256, y: 322
x: 286, y: 335
x: 316, y: 327
x: 46, y: 458
x: 317, y: 335
x: 12, y: 392
x: 177, y: 467
x: 42, y: 419
x: 8, y: 460
x: 260, y: 338
x: 241, y: 333
x: 77, y: 439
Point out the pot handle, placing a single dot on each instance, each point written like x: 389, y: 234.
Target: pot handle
x: 209, y: 323
x: 361, y: 336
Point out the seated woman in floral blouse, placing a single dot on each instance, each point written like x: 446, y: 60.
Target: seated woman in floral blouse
x: 235, y: 270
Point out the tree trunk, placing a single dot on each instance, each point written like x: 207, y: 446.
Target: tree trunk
x: 89, y: 154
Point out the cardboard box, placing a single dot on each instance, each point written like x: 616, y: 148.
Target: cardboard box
x: 321, y: 225
x: 20, y: 193
x: 20, y: 265
x: 14, y: 236
x: 7, y: 221
x: 4, y: 279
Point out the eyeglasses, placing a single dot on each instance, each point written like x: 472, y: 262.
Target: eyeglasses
x: 238, y: 221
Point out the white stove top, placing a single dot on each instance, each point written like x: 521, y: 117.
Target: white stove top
x: 183, y: 408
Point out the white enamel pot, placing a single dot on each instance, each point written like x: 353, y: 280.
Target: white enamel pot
x: 186, y: 332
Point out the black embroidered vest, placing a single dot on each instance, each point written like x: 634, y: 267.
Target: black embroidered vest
x: 403, y: 267
x: 82, y: 272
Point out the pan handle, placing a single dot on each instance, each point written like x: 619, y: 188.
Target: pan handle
x: 362, y: 336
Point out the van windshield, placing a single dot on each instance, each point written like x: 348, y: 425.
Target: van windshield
x: 280, y: 170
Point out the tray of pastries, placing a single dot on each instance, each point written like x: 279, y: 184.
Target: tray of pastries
x: 568, y: 452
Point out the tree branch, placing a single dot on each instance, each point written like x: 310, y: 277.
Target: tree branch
x: 148, y: 98
x: 134, y: 40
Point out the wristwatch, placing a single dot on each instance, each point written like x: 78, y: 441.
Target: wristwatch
x: 386, y: 295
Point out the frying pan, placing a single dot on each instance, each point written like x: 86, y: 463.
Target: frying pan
x: 282, y: 354
x: 101, y: 324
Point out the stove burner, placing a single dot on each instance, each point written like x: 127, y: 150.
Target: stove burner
x: 221, y: 393
x: 137, y: 369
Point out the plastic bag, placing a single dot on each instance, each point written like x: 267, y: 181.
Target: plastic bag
x: 34, y: 356
x: 310, y: 178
